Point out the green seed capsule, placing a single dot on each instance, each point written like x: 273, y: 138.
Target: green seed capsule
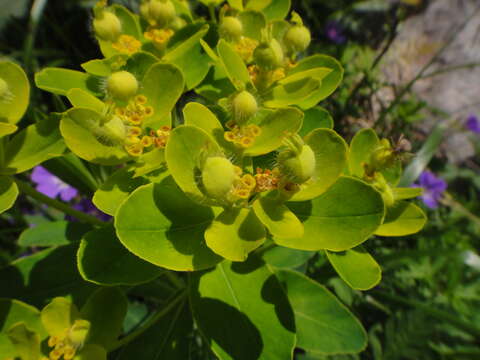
x: 244, y: 106
x: 162, y: 11
x: 268, y: 55
x: 113, y: 130
x: 122, y: 85
x: 297, y: 38
x: 231, y: 28
x: 298, y: 167
x: 107, y: 26
x: 218, y: 175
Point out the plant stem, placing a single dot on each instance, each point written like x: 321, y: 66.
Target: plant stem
x: 30, y: 191
x: 435, y: 313
x: 150, y: 322
x: 454, y: 204
x: 211, y: 10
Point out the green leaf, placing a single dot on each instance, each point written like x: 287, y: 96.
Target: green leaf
x: 184, y: 147
x: 6, y: 128
x: 236, y: 4
x: 157, y: 79
x: 316, y: 118
x: 235, y: 233
x: 36, y: 278
x: 173, y: 344
x: 8, y: 193
x: 105, y: 303
x: 25, y: 341
x: 292, y: 93
x: 139, y: 63
x: 275, y: 126
x: 91, y: 352
x: 53, y: 233
x: 402, y: 219
x: 15, y: 104
x: 330, y: 159
x: 278, y: 218
x: 282, y: 257
x: 276, y: 9
x: 7, y: 350
x: 116, y: 189
x: 324, y: 325
x: 83, y: 99
x: 14, y: 311
x: 253, y: 23
x: 60, y: 81
x: 407, y: 193
x: 196, y: 114
x: 104, y: 67
x: 329, y: 83
x: 103, y: 260
x: 344, y: 216
x: 362, y: 146
x: 242, y: 311
x: 190, y: 48
x: 160, y: 224
x: 32, y: 146
x: 58, y: 315
x: 234, y: 65
x: 356, y: 267
x: 78, y: 128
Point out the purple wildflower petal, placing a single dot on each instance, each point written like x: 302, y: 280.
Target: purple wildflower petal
x: 473, y: 124
x: 49, y: 189
x: 68, y: 193
x: 434, y: 188
x: 334, y: 32
x: 429, y: 200
x: 51, y: 185
x: 40, y: 175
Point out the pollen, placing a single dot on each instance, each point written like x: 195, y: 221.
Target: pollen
x: 136, y: 111
x: 147, y: 141
x: 266, y: 180
x: 135, y: 149
x: 141, y: 99
x: 161, y: 136
x: 159, y: 37
x: 243, y: 136
x: 245, y: 48
x: 127, y: 44
x: 134, y: 131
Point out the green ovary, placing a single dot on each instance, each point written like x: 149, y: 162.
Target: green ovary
x: 297, y: 38
x: 107, y: 26
x: 231, y: 28
x: 162, y: 11
x: 218, y: 176
x: 269, y: 55
x: 298, y: 167
x: 244, y: 106
x: 122, y: 85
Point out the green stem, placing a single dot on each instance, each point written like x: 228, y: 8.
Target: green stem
x: 150, y: 322
x: 211, y: 9
x: 454, y: 204
x: 36, y: 12
x: 175, y: 280
x: 435, y: 313
x: 30, y: 191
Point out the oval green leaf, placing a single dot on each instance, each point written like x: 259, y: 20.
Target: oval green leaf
x: 16, y: 102
x: 8, y: 193
x: 60, y: 81
x: 402, y: 219
x: 234, y: 65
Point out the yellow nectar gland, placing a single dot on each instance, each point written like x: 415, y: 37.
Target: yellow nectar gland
x: 243, y: 186
x: 161, y: 136
x: 136, y: 111
x: 243, y: 136
x: 159, y: 37
x: 122, y: 85
x: 245, y: 48
x: 127, y: 44
x: 266, y: 180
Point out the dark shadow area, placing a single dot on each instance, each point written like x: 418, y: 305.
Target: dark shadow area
x: 273, y: 293
x: 302, y: 209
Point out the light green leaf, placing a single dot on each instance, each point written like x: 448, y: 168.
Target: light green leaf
x: 275, y: 126
x: 402, y: 219
x: 407, y: 193
x: 53, y: 234
x: 16, y: 100
x: 7, y: 129
x: 242, y: 311
x: 292, y: 93
x: 83, y: 99
x: 253, y: 23
x: 25, y: 341
x: 7, y: 350
x: 152, y: 161
x: 158, y: 79
x: 15, y: 311
x: 316, y: 118
x: 234, y: 65
x: 278, y: 218
x: 91, y: 352
x: 362, y: 146
x: 276, y: 9
x: 344, y: 216
x: 356, y: 267
x: 235, y: 233
x: 116, y: 189
x: 60, y: 81
x: 324, y: 325
x: 182, y: 153
x: 330, y: 158
x: 79, y: 127
x: 196, y: 114
x: 139, y: 63
x: 105, y: 303
x: 282, y: 257
x: 160, y: 224
x: 58, y: 315
x: 33, y: 145
x: 8, y: 193
x: 190, y: 48
x: 103, y: 260
x: 236, y: 4
x: 329, y: 83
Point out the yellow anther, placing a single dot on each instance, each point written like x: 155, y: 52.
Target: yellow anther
x: 230, y: 124
x: 135, y: 149
x: 254, y: 130
x: 55, y: 354
x: 135, y: 119
x: 134, y: 131
x: 141, y: 99
x: 52, y: 341
x: 127, y: 44
x: 266, y: 180
x: 120, y: 111
x: 246, y: 141
x: 69, y: 353
x: 229, y: 136
x: 249, y: 181
x: 148, y: 111
x: 147, y: 141
x: 242, y: 193
x: 245, y: 48
x: 159, y: 37
x: 131, y: 140
x: 162, y: 136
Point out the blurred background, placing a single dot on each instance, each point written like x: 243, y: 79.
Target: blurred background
x: 412, y: 69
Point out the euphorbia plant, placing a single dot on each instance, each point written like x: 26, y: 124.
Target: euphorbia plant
x: 216, y: 153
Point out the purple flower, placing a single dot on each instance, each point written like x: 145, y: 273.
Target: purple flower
x: 433, y: 187
x: 473, y: 124
x: 86, y: 205
x: 50, y: 185
x: 334, y: 32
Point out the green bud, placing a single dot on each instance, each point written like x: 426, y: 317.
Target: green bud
x: 218, y: 175
x: 107, y: 26
x: 268, y: 55
x: 244, y: 106
x: 231, y: 28
x: 122, y: 85
x: 162, y: 11
x: 297, y: 38
x: 299, y: 167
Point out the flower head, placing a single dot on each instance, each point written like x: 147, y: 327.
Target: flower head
x: 334, y: 32
x: 433, y: 186
x: 473, y: 124
x: 50, y: 185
